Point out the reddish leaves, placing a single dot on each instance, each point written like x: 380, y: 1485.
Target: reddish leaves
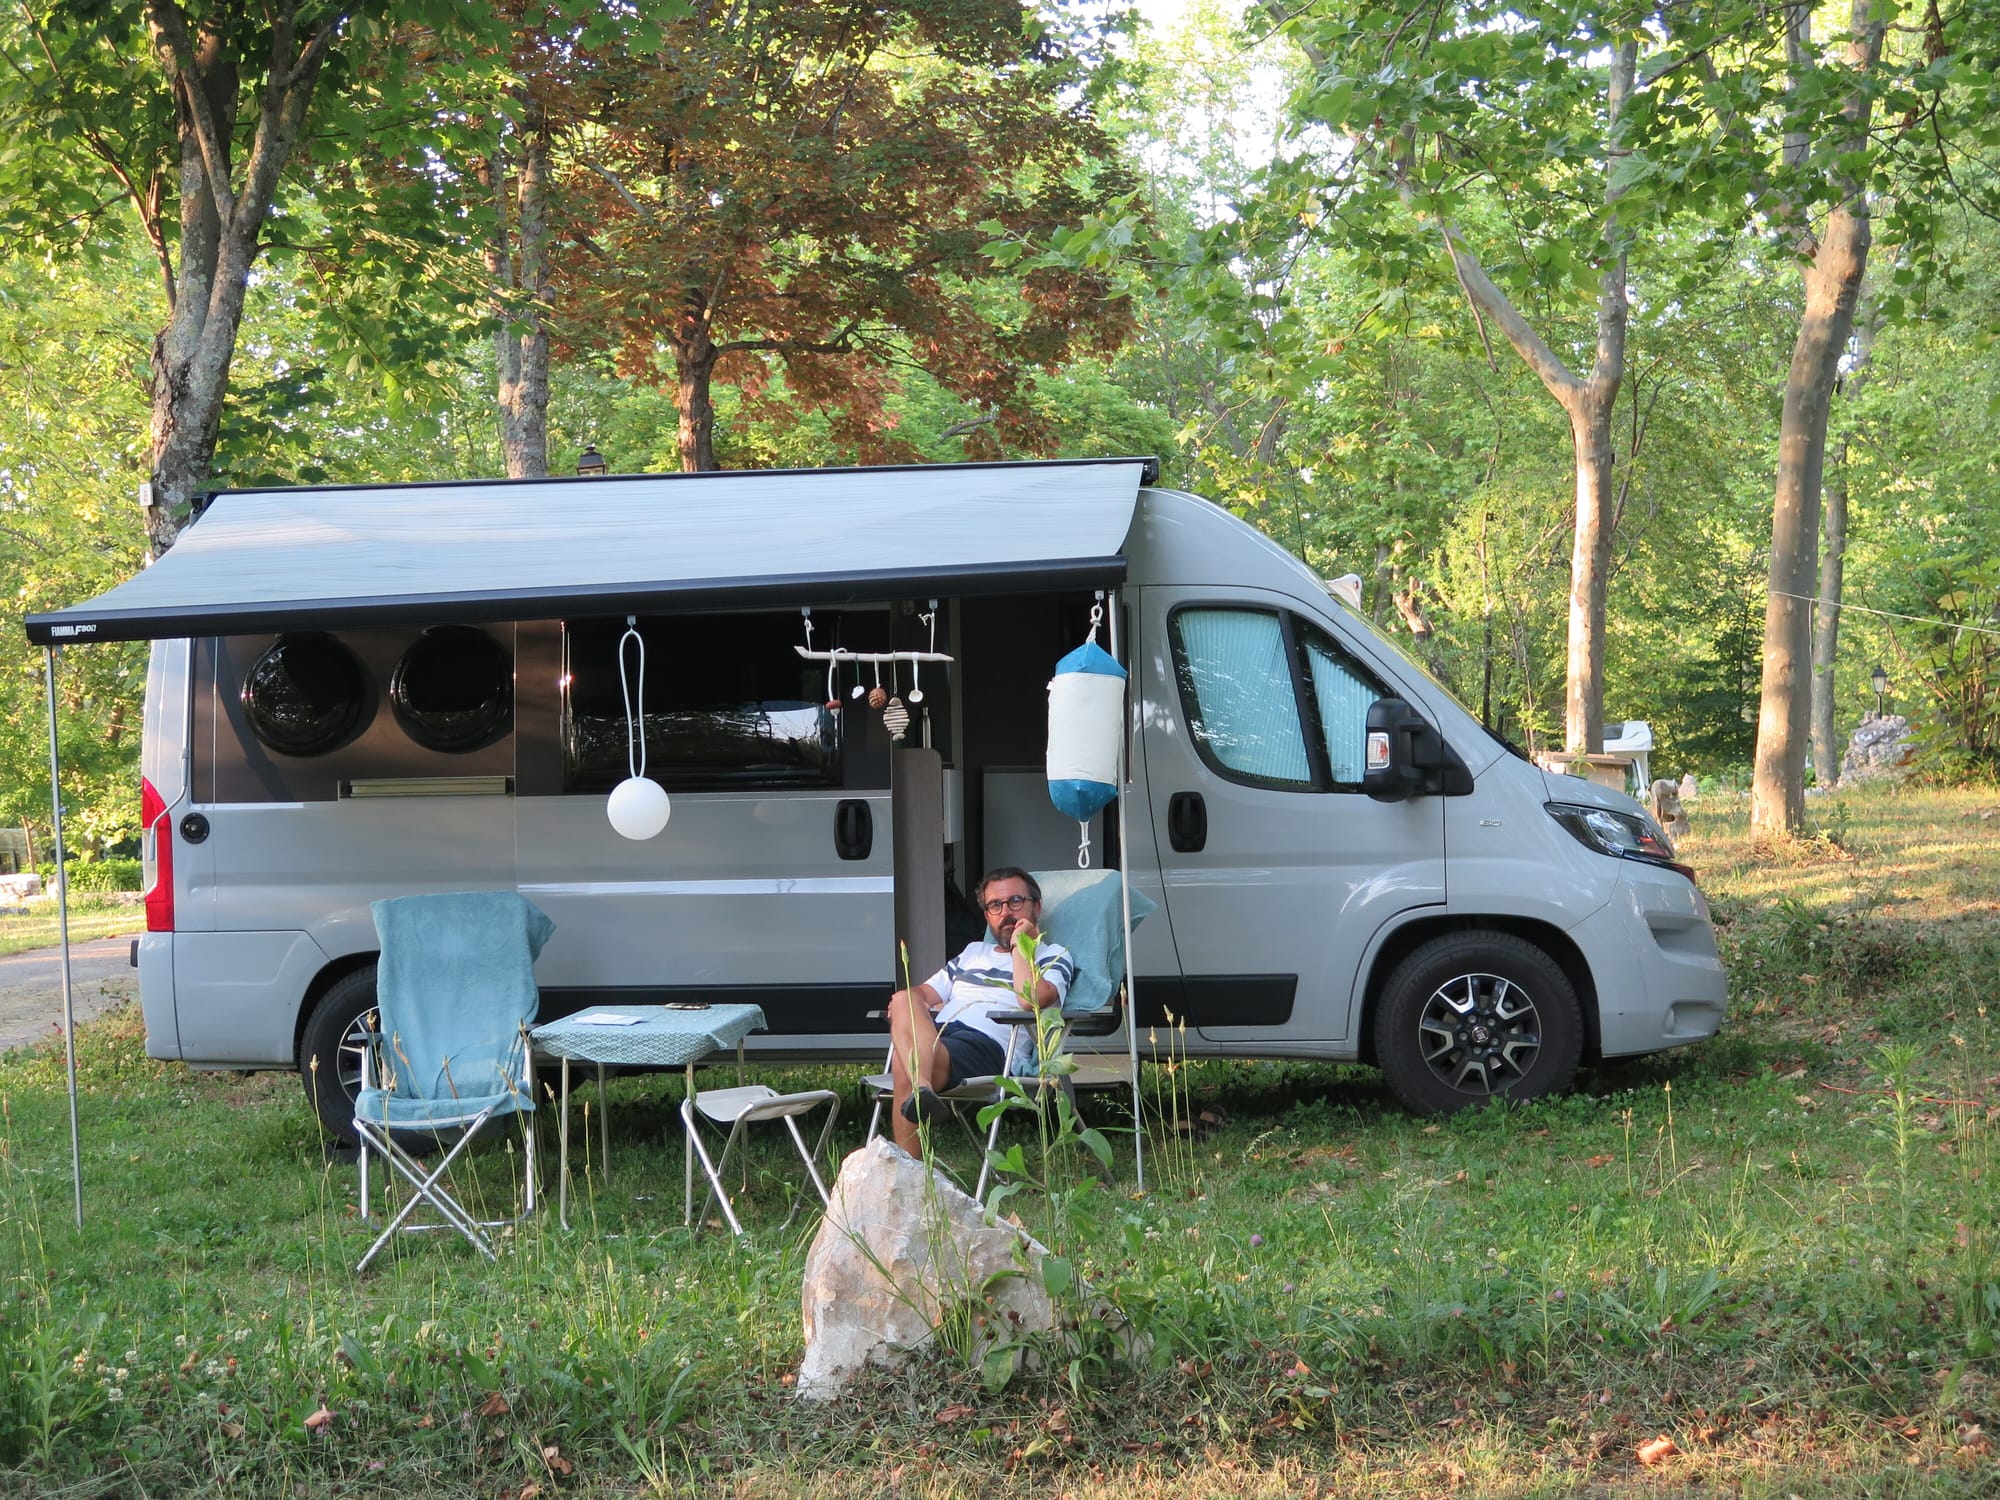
x: 1657, y: 1450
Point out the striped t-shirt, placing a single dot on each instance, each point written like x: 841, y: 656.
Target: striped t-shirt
x: 982, y: 979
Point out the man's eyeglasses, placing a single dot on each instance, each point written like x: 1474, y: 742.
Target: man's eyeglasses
x: 1007, y: 903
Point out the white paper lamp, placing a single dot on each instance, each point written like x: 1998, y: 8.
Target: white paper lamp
x: 638, y: 808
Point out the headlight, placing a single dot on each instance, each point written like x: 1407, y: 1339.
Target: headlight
x: 1621, y: 835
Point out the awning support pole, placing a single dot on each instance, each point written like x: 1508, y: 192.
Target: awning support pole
x: 1125, y: 898
x: 62, y: 922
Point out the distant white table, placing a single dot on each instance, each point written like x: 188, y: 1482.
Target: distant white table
x: 646, y: 1036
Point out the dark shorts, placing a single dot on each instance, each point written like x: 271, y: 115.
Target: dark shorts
x: 973, y: 1054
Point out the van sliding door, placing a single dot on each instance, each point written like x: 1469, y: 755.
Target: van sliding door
x: 772, y: 880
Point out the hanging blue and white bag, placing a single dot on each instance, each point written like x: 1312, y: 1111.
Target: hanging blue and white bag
x: 1086, y: 718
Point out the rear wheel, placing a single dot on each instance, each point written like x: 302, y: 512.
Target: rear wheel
x: 330, y: 1051
x: 1476, y: 1016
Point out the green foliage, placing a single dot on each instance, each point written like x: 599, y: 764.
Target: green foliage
x: 96, y: 875
x: 1300, y: 349
x: 73, y: 341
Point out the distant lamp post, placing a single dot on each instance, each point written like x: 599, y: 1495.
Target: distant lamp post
x: 1878, y: 680
x: 590, y: 463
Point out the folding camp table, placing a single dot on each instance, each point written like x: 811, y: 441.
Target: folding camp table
x: 655, y: 1036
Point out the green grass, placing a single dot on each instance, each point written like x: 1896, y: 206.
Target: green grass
x: 90, y: 916
x: 1778, y: 1250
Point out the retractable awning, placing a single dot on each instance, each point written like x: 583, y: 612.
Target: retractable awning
x: 328, y: 557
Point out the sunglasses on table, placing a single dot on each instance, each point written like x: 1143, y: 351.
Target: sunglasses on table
x: 1007, y: 903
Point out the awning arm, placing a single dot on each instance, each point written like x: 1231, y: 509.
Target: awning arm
x: 62, y: 922
x: 1125, y: 899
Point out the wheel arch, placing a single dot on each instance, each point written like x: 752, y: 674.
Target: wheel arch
x: 1411, y: 936
x: 335, y: 971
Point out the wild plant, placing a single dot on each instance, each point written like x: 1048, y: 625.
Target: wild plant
x: 1173, y: 1104
x: 1976, y: 1258
x: 1898, y: 1061
x: 51, y: 1381
x: 1094, y: 1332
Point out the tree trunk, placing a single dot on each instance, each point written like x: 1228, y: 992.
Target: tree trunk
x: 1832, y: 567
x: 1832, y: 287
x: 1589, y: 402
x: 1833, y: 282
x: 221, y: 223
x: 1590, y: 555
x: 693, y: 370
x: 520, y: 267
x: 1826, y: 621
x: 185, y: 422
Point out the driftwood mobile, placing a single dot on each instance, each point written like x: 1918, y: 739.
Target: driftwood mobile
x: 375, y: 691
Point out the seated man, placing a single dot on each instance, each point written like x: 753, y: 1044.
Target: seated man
x: 939, y: 1030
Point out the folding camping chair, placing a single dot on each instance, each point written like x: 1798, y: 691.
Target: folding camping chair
x: 455, y: 994
x: 744, y: 1106
x: 1081, y: 910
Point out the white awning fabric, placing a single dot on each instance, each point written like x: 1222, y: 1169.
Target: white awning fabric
x: 324, y: 558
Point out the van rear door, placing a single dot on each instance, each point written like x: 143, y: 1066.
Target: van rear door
x: 1278, y: 870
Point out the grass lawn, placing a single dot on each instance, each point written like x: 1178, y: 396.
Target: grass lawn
x: 90, y: 916
x: 1777, y: 1251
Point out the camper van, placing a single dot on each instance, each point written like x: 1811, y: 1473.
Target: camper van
x: 374, y: 691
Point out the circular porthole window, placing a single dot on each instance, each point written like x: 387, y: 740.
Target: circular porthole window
x: 307, y: 694
x: 454, y: 689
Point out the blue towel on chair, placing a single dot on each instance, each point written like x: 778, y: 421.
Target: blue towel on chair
x: 1083, y: 911
x: 455, y: 986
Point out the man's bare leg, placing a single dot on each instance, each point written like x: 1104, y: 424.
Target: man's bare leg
x: 914, y: 1053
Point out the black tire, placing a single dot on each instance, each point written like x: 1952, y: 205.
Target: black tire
x: 1476, y: 1016
x: 333, y: 1038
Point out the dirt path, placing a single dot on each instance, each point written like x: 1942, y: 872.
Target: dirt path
x: 101, y: 977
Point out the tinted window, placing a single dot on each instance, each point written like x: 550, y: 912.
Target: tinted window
x: 453, y: 689
x: 307, y: 694
x: 728, y: 702
x: 1342, y: 693
x: 1236, y: 690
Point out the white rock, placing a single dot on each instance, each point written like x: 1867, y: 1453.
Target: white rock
x: 1880, y: 746
x: 899, y: 1249
x: 1690, y: 788
x: 20, y: 887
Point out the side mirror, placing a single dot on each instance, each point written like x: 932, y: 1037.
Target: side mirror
x: 1404, y: 752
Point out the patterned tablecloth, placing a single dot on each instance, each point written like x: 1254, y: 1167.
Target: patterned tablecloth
x: 662, y: 1036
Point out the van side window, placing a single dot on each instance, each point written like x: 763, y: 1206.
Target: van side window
x: 1235, y: 676
x: 307, y: 694
x: 1341, y: 693
x: 453, y: 689
x: 728, y: 703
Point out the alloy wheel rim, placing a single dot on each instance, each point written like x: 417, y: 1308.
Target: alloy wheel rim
x: 1479, y: 1034
x: 352, y: 1045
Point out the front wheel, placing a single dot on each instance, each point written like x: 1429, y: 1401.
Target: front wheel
x: 1476, y: 1016
x: 330, y: 1051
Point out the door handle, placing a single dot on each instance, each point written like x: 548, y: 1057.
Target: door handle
x: 853, y: 829
x: 1187, y: 822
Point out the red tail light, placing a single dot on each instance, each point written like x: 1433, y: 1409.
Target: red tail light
x: 156, y: 848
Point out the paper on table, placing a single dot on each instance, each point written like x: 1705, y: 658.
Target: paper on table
x: 605, y: 1018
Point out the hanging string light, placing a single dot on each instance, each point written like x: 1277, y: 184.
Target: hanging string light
x: 638, y: 808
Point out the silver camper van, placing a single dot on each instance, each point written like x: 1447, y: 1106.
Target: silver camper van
x: 365, y: 692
